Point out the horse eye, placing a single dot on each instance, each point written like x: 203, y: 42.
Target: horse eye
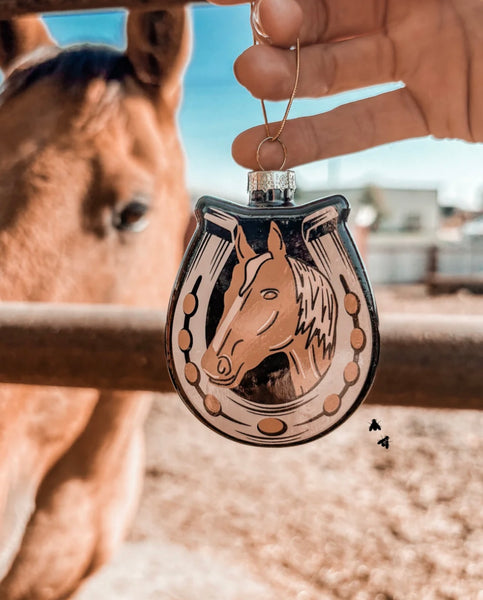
x: 132, y: 217
x: 269, y: 294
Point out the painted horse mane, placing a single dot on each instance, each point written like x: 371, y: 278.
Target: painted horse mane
x: 317, y: 306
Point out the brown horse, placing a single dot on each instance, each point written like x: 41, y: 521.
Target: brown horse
x: 93, y: 208
x: 275, y: 303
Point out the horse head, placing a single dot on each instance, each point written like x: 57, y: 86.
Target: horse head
x: 260, y: 311
x: 274, y: 304
x: 93, y: 208
x: 91, y: 165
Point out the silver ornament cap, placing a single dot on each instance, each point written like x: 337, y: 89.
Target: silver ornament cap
x: 269, y: 188
x: 271, y: 180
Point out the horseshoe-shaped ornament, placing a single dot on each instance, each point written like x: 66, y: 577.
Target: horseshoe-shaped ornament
x: 272, y: 332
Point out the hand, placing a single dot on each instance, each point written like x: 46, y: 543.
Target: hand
x: 435, y: 47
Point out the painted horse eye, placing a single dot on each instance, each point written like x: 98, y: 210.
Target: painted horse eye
x: 269, y: 294
x: 132, y: 217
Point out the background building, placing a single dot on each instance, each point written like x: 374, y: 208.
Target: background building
x: 403, y: 234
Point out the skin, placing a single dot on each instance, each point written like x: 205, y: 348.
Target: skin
x: 433, y: 46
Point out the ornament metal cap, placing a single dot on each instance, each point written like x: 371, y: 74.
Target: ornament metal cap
x: 271, y: 180
x: 271, y: 187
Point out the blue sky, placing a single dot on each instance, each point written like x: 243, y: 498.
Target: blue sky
x: 216, y: 108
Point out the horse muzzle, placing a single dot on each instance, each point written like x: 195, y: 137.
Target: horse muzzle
x: 219, y: 368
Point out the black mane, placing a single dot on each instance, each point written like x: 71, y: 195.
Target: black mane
x: 73, y: 68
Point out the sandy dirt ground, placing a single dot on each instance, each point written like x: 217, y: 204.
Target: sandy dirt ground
x: 339, y: 518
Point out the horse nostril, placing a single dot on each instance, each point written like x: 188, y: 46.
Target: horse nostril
x: 224, y: 365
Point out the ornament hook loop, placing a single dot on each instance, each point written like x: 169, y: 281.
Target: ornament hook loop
x: 270, y: 138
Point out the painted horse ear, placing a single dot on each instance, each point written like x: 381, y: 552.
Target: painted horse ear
x: 243, y: 249
x: 158, y: 46
x: 276, y: 245
x: 19, y: 37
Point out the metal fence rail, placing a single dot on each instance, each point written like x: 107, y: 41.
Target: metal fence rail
x: 426, y: 360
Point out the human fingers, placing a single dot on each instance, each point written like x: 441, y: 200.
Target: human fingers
x: 320, y: 20
x: 269, y: 72
x: 281, y: 21
x: 349, y: 128
x: 315, y: 21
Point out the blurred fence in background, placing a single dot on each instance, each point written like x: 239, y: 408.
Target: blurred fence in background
x: 402, y: 260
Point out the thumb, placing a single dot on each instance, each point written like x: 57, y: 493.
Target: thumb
x: 280, y: 20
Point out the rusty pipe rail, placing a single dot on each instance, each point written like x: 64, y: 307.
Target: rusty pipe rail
x: 100, y: 346
x: 12, y: 8
x: 430, y: 360
x: 426, y: 360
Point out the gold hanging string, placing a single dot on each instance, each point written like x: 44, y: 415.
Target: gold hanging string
x: 275, y: 137
x: 258, y: 36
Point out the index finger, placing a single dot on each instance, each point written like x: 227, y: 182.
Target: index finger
x: 353, y: 127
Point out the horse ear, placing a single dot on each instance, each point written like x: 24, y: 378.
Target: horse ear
x: 243, y: 249
x: 158, y: 46
x: 19, y: 37
x: 276, y: 245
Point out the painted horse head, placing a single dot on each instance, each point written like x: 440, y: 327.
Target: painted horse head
x: 93, y: 208
x: 275, y: 303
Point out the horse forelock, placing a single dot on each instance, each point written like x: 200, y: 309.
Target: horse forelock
x: 72, y: 68
x: 251, y: 269
x: 317, y: 306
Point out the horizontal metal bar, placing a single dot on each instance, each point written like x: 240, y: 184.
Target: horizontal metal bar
x: 100, y: 346
x: 12, y: 8
x: 430, y: 360
x: 448, y: 284
x: 426, y: 360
